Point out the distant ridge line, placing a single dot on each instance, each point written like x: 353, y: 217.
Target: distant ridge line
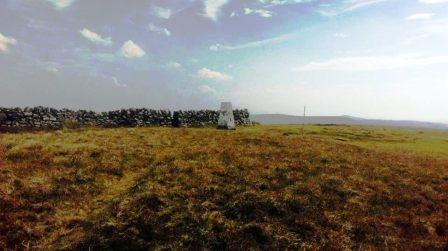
x: 282, y: 119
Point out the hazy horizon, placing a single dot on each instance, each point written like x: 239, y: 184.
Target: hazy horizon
x: 345, y: 115
x: 374, y: 59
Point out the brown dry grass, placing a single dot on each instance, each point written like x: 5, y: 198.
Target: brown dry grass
x: 256, y: 188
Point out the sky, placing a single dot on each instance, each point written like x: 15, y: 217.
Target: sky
x: 382, y: 59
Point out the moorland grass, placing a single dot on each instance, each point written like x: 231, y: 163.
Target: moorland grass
x: 262, y: 187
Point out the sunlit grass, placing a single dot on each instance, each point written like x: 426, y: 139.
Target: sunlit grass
x: 272, y: 187
x: 397, y: 139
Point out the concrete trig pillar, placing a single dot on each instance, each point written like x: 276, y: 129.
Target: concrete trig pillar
x: 226, y: 119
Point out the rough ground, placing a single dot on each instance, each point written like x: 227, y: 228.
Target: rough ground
x: 332, y: 187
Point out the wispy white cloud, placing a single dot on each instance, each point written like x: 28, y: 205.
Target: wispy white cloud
x: 220, y: 47
x: 271, y: 3
x: 327, y: 13
x: 373, y: 63
x: 212, y: 8
x: 346, y: 6
x: 433, y: 1
x: 340, y: 35
x: 95, y: 38
x: 436, y: 27
x: 419, y: 16
x: 132, y: 50
x: 174, y: 65
x: 61, y: 4
x: 117, y: 83
x: 357, y: 4
x: 163, y: 13
x: 159, y: 30
x: 260, y: 12
x: 210, y: 74
x: 5, y: 42
x: 37, y: 24
x: 52, y: 67
x: 206, y: 89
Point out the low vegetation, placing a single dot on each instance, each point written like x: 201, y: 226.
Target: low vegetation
x: 276, y: 187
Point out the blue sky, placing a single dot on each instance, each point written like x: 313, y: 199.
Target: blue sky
x: 384, y: 59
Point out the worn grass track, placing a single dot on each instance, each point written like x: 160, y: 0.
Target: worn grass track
x: 258, y: 187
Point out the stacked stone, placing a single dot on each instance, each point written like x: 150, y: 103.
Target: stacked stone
x: 30, y: 118
x: 210, y: 117
x: 138, y: 117
x: 40, y: 118
x: 198, y: 118
x: 241, y: 117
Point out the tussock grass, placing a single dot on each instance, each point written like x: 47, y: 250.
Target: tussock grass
x: 263, y: 187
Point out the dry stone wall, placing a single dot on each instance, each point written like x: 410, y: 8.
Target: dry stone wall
x: 44, y: 118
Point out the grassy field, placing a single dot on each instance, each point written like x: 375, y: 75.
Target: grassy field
x: 262, y: 187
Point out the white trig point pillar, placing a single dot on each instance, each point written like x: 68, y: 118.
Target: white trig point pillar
x: 226, y: 119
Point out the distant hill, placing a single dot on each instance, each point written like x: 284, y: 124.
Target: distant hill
x: 281, y: 119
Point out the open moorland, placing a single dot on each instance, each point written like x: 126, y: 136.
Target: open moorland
x: 261, y: 187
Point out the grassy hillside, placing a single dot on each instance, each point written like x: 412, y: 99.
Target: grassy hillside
x: 263, y: 187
